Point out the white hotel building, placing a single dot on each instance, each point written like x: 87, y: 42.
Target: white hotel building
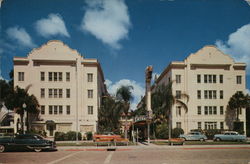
x: 210, y: 78
x: 68, y: 87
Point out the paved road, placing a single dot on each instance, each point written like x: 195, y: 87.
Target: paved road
x: 237, y: 154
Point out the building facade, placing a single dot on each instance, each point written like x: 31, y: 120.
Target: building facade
x: 210, y: 78
x: 68, y: 87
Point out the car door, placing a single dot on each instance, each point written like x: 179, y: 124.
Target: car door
x: 24, y: 141
x: 227, y: 137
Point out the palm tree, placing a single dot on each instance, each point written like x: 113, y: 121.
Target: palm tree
x: 109, y: 115
x: 237, y: 102
x: 124, y: 95
x: 163, y: 101
x: 16, y: 100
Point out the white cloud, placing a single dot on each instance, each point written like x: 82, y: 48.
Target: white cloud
x: 238, y: 45
x: 137, y: 92
x: 21, y: 36
x: 107, y: 20
x: 51, y: 26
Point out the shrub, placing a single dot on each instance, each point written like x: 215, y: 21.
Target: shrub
x: 211, y: 132
x: 162, y: 131
x: 89, y: 136
x: 176, y: 132
x: 59, y: 136
x: 69, y: 136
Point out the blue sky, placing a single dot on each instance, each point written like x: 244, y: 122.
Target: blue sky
x: 126, y: 36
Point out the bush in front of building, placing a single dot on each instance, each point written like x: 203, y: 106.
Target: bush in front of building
x: 176, y: 132
x: 211, y: 132
x: 161, y: 131
x: 69, y: 136
x: 89, y: 135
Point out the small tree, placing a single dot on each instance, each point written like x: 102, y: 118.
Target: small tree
x: 124, y: 94
x: 237, y: 102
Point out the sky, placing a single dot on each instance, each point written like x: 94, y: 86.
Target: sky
x: 126, y: 35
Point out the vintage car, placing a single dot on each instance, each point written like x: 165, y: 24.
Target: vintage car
x: 106, y: 137
x: 26, y: 142
x: 229, y: 136
x: 193, y: 136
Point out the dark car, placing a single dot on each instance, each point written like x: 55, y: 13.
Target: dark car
x: 26, y: 142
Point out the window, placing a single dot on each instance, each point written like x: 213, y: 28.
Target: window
x: 210, y: 110
x: 199, y: 125
x: 205, y: 78
x: 60, y: 93
x: 50, y: 76
x: 90, y: 110
x: 20, y: 76
x: 90, y: 77
x: 240, y: 111
x: 199, y: 110
x: 55, y: 76
x: 55, y: 110
x: 214, y: 94
x: 178, y: 124
x: 238, y: 79
x: 68, y: 109
x: 50, y: 109
x: 205, y: 94
x: 206, y: 110
x: 60, y: 109
x: 214, y: 78
x: 42, y: 109
x: 178, y: 78
x: 60, y: 76
x: 55, y: 93
x: 221, y: 78
x: 221, y: 125
x: 67, y: 93
x: 90, y: 93
x: 178, y: 110
x: 67, y: 76
x: 210, y: 125
x: 50, y: 93
x: 210, y: 94
x: 215, y: 110
x: 198, y: 94
x: 198, y: 78
x: 42, y: 92
x: 221, y: 94
x: 210, y: 78
x: 221, y: 110
x: 178, y: 94
x: 42, y: 76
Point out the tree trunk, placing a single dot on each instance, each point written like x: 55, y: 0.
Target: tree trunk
x: 126, y: 131
x: 170, y: 124
x: 237, y: 114
x: 22, y: 124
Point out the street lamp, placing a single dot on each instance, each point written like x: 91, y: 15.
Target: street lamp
x: 22, y: 120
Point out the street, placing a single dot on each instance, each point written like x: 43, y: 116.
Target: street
x: 226, y: 154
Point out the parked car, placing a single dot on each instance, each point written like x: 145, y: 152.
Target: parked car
x: 229, y: 136
x: 26, y: 142
x: 193, y: 136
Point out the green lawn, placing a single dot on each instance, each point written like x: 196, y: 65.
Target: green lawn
x: 203, y: 143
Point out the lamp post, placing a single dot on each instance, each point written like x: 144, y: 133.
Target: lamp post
x: 23, y: 120
x: 148, y: 77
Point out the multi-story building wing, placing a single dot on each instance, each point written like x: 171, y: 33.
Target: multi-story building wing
x: 210, y: 78
x: 68, y: 87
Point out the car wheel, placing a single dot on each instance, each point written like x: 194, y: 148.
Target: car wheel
x: 217, y: 139
x: 202, y: 139
x: 2, y: 148
x: 37, y: 149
